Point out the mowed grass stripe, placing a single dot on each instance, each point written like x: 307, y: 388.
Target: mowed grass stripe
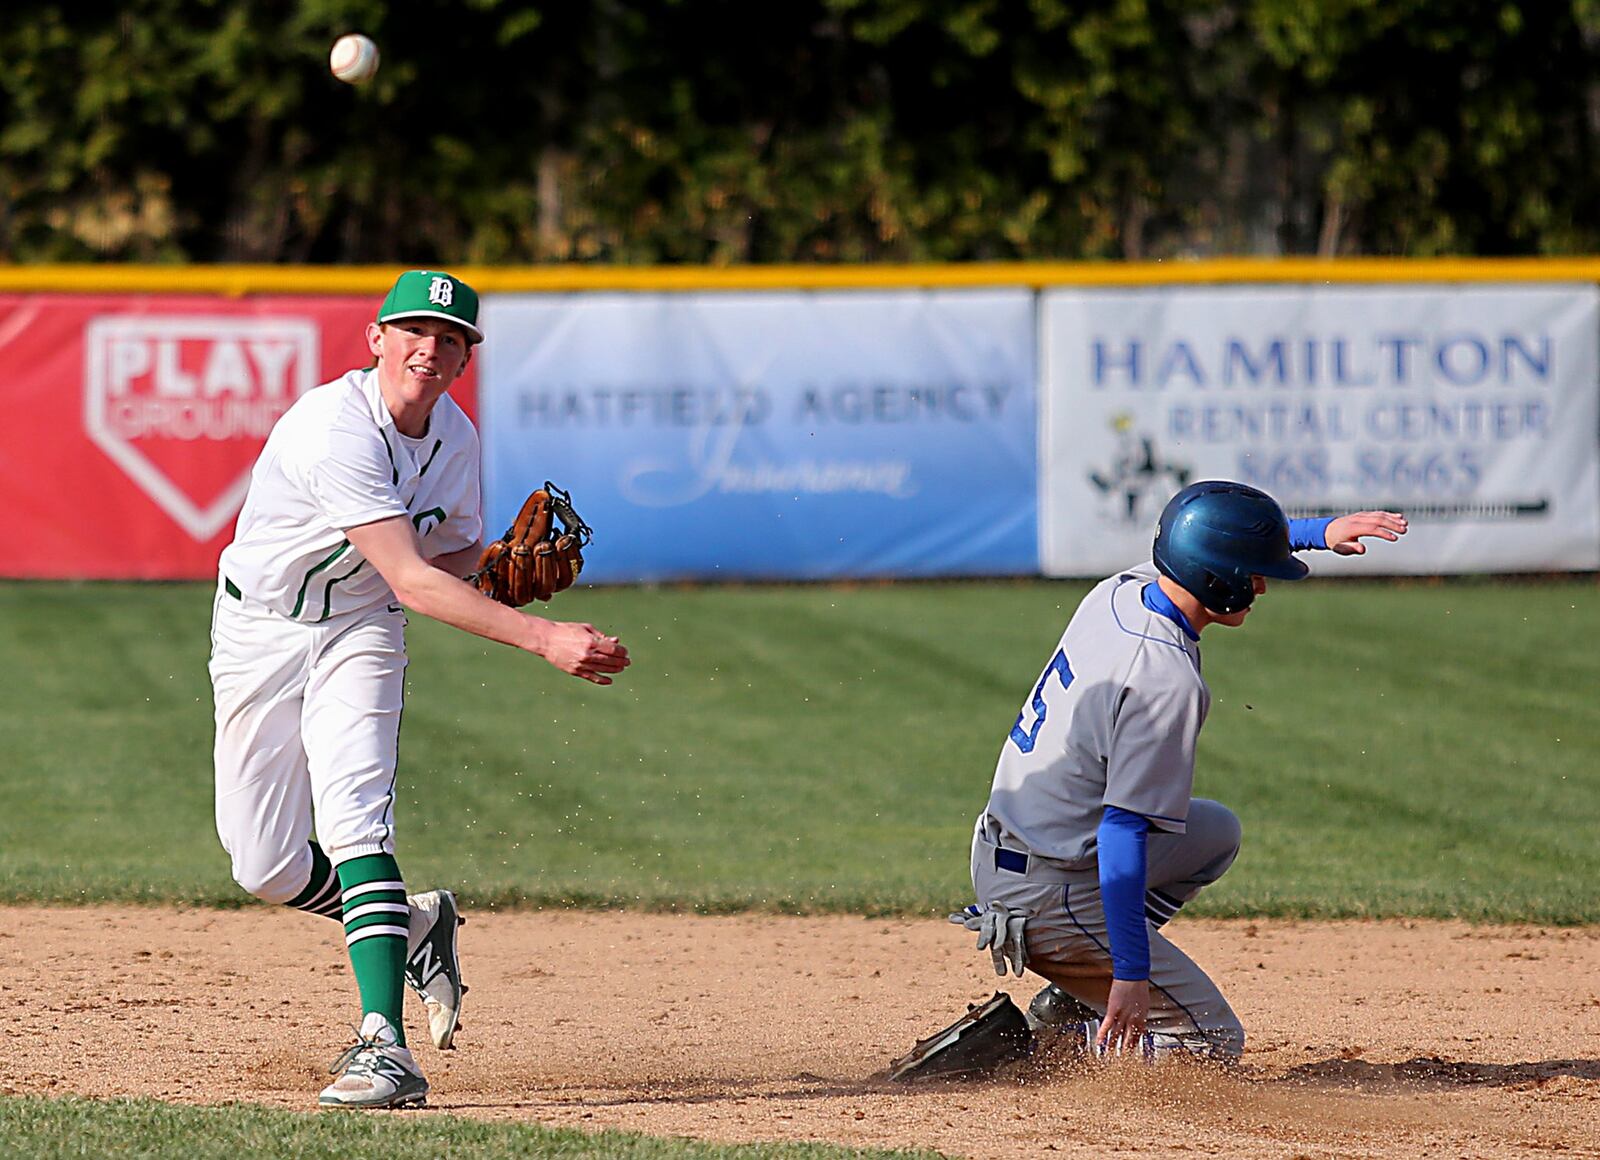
x: 1406, y: 748
x: 61, y: 1128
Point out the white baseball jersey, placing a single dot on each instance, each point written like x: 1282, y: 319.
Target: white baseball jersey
x: 1113, y: 721
x: 336, y: 461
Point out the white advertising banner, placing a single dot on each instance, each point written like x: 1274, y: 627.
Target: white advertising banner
x: 1474, y: 410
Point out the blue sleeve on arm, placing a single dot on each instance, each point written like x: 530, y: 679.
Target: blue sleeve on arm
x: 1305, y: 535
x: 1122, y: 880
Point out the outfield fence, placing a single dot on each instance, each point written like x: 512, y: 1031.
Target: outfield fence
x: 833, y: 422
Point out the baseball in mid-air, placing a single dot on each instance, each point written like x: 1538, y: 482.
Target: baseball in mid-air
x: 354, y: 58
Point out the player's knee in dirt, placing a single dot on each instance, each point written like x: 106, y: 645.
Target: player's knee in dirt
x: 1226, y: 1043
x: 1218, y: 1045
x: 1215, y: 1034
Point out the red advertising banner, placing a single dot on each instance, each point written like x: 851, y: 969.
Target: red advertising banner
x: 132, y: 421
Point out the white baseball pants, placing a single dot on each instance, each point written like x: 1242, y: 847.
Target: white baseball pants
x: 308, y: 728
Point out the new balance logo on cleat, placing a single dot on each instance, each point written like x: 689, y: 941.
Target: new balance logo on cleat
x: 433, y: 969
x: 376, y: 1072
x: 424, y: 966
x: 388, y: 1069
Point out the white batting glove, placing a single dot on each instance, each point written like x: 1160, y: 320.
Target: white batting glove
x: 1001, y: 931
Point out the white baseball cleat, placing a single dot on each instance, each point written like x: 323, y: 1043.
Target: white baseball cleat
x: 433, y: 968
x: 375, y: 1072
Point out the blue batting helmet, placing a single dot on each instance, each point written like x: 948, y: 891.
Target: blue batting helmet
x: 1215, y: 535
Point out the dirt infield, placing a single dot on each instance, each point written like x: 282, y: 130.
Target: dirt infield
x: 1367, y: 1039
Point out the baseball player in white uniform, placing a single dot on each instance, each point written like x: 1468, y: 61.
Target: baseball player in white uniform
x: 1090, y: 840
x: 365, y: 501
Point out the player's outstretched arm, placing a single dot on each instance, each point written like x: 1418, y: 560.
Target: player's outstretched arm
x: 1346, y: 532
x: 582, y: 650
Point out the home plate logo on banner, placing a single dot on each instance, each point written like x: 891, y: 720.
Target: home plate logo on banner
x: 183, y: 403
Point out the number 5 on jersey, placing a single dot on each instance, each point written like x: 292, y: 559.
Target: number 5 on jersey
x: 1026, y: 739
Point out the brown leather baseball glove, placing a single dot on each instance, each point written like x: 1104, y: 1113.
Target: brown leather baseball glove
x: 533, y: 560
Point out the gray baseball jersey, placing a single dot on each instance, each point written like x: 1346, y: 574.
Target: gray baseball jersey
x: 1112, y: 721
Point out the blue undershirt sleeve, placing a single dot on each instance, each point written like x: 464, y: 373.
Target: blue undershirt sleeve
x: 1122, y: 884
x: 1307, y: 535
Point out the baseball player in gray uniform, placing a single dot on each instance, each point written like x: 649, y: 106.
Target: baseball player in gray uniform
x: 1090, y: 840
x: 364, y: 499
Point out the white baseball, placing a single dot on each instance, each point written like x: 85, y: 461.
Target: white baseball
x: 354, y: 58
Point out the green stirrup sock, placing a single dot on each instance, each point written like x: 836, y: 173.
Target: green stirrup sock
x: 376, y: 921
x: 322, y: 894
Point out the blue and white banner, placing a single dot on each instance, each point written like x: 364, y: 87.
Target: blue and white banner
x: 770, y: 436
x: 1474, y: 410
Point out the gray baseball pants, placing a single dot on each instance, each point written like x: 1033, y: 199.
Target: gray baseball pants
x: 1066, y: 930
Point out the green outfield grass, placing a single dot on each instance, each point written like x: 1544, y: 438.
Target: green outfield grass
x: 57, y: 1129
x: 1393, y: 748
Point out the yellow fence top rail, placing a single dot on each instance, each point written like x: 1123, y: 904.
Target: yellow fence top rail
x: 245, y: 280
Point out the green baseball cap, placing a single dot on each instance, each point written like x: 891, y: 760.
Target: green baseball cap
x: 433, y: 294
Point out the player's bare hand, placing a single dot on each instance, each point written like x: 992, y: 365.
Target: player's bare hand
x: 1345, y: 533
x: 1127, y: 1008
x: 583, y: 650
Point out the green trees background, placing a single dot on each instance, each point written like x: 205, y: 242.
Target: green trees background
x: 732, y: 131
